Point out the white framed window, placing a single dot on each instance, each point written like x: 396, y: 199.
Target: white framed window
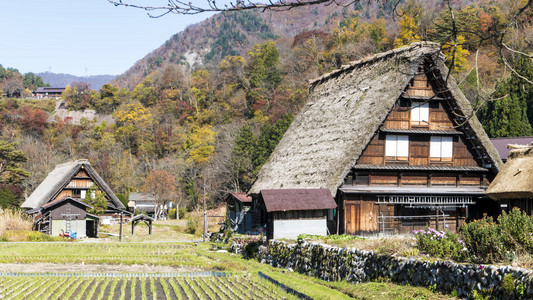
x: 419, y: 113
x: 397, y: 147
x: 441, y: 148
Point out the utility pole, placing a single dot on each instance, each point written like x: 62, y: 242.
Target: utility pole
x: 205, y: 216
x: 120, y: 237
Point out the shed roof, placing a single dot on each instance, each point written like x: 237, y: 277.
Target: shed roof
x: 60, y: 177
x: 345, y: 109
x: 515, y: 180
x: 297, y: 199
x: 64, y: 199
x: 242, y: 197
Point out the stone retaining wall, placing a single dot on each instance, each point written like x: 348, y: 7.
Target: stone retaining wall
x: 333, y: 263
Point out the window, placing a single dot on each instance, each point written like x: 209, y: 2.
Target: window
x: 420, y: 113
x: 441, y: 148
x: 397, y: 147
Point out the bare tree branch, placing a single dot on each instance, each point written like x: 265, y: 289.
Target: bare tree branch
x: 188, y: 8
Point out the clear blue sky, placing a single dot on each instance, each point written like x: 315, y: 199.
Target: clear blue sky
x: 80, y: 37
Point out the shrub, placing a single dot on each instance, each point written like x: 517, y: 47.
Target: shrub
x: 172, y: 213
x: 192, y: 226
x: 516, y: 228
x: 249, y: 244
x: 182, y: 212
x: 440, y: 244
x: 483, y: 240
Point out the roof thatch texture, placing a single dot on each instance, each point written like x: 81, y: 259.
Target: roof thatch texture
x: 344, y: 110
x: 515, y: 180
x: 60, y: 177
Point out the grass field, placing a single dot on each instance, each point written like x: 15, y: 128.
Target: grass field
x: 148, y: 259
x: 139, y: 268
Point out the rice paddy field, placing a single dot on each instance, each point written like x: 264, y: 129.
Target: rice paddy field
x: 164, y: 266
x: 151, y: 287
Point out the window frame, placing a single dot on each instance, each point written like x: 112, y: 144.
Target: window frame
x: 419, y: 114
x: 440, y: 149
x: 398, y: 145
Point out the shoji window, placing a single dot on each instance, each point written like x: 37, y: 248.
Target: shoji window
x: 397, y: 147
x: 420, y: 114
x: 441, y: 148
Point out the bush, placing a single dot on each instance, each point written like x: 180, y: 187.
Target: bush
x: 192, y: 226
x: 249, y: 244
x: 440, y: 244
x: 182, y: 212
x: 483, y: 240
x: 172, y: 213
x: 516, y: 228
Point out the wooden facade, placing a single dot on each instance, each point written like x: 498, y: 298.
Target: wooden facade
x: 420, y: 169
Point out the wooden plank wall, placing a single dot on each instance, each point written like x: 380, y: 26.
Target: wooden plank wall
x: 374, y: 154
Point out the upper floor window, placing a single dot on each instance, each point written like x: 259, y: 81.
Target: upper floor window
x: 419, y: 113
x: 441, y: 148
x: 397, y: 147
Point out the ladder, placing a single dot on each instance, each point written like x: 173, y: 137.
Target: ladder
x: 68, y: 219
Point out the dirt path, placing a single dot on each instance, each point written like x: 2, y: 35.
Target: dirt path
x: 91, y: 268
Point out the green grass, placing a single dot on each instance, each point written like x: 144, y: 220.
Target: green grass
x: 195, y: 256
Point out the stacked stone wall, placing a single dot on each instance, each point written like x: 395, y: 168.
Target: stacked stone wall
x: 332, y: 264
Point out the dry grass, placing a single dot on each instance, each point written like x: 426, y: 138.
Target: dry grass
x: 404, y: 245
x: 14, y: 220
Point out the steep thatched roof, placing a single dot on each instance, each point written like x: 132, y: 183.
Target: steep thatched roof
x: 515, y: 180
x: 345, y: 109
x: 60, y: 177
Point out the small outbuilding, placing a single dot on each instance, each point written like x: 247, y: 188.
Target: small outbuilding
x: 291, y: 212
x: 66, y: 216
x: 142, y: 203
x: 513, y: 186
x: 240, y: 212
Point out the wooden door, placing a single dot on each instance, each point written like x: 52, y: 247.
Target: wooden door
x: 352, y: 217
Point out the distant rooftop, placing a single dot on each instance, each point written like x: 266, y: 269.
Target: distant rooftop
x: 501, y: 144
x: 50, y: 90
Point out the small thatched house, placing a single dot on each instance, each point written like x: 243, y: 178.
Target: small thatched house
x: 70, y: 180
x: 513, y: 186
x: 394, y: 141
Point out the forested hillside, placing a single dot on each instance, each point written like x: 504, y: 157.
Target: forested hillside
x: 208, y: 107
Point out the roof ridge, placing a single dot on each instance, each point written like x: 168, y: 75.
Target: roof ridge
x: 372, y: 58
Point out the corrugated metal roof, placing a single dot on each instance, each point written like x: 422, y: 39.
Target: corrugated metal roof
x: 420, y: 168
x: 444, y: 190
x: 297, y: 199
x: 57, y: 201
x: 501, y: 144
x: 421, y: 131
x: 49, y: 90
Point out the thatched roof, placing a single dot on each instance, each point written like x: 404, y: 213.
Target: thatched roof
x: 345, y: 109
x: 60, y: 177
x: 515, y: 180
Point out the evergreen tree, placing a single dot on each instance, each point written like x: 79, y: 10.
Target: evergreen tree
x: 508, y: 117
